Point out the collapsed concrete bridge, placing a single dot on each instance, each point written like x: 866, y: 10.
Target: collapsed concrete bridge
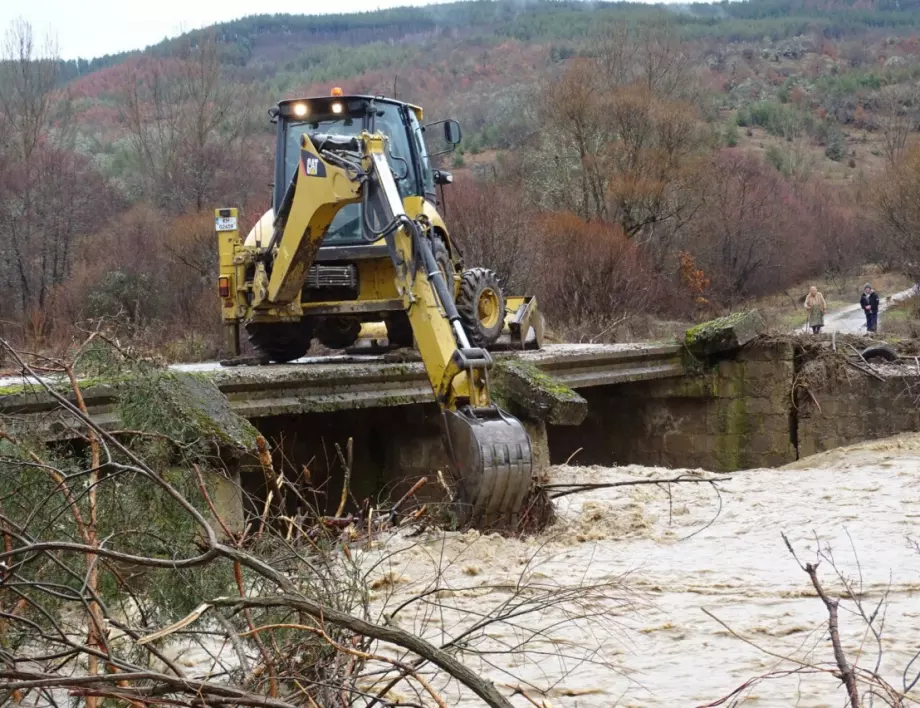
x: 726, y: 398
x: 342, y: 383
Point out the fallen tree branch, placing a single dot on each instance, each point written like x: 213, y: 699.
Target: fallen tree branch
x: 347, y: 464
x: 367, y: 656
x: 24, y: 680
x: 576, y: 487
x: 484, y: 689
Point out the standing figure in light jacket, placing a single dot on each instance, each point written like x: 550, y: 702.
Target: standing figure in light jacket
x: 815, y: 306
x: 869, y: 304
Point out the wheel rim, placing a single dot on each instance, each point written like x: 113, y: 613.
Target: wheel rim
x: 488, y: 308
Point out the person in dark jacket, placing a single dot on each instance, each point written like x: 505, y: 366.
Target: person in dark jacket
x: 869, y: 304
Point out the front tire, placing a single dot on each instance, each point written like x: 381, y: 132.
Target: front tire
x: 280, y: 342
x: 481, y: 305
x: 338, y: 332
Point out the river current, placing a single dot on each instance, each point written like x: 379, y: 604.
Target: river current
x: 606, y: 607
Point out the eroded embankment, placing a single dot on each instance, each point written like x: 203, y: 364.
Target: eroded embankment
x: 645, y: 640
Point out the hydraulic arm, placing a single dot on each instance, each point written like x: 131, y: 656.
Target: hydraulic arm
x: 489, y: 449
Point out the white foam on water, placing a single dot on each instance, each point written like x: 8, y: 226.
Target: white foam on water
x: 662, y: 649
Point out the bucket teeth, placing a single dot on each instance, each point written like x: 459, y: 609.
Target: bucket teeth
x: 493, y: 462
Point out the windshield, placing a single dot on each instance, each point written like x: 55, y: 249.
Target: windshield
x: 346, y: 226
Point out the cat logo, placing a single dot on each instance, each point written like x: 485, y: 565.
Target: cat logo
x: 312, y: 165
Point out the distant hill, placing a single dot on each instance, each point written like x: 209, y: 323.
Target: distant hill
x: 267, y: 44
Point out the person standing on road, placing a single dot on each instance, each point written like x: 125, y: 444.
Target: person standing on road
x: 869, y: 304
x: 816, y: 306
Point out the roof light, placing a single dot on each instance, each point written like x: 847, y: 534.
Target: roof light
x: 300, y: 109
x: 336, y: 108
x: 336, y: 91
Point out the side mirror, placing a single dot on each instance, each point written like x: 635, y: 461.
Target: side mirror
x: 452, y: 133
x: 444, y: 133
x: 442, y: 177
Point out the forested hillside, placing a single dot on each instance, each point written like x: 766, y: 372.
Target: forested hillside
x: 621, y: 161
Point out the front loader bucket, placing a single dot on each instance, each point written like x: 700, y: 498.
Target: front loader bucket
x: 493, y: 464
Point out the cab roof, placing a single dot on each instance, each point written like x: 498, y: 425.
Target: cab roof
x: 419, y: 112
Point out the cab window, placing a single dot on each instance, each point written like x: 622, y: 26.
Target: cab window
x: 427, y: 174
x: 346, y: 227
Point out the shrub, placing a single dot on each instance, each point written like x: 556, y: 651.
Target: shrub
x: 592, y: 273
x: 731, y: 135
x: 119, y: 295
x: 836, y: 148
x: 775, y: 157
x: 777, y: 118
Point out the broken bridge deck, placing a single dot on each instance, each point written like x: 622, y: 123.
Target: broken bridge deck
x: 325, y: 384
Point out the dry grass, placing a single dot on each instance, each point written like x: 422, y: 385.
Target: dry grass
x: 637, y: 328
x: 901, y: 321
x: 863, y: 147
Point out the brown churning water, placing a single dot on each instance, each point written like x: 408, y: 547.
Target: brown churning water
x: 648, y: 642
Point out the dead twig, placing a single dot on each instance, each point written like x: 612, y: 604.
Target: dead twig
x: 415, y: 487
x: 347, y: 464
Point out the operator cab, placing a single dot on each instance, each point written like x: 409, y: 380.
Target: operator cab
x: 348, y: 116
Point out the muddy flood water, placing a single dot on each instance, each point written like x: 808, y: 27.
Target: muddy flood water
x: 606, y: 607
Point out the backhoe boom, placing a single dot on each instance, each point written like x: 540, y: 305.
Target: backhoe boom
x: 490, y: 450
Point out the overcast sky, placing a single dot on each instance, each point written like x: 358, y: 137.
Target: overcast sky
x: 92, y: 28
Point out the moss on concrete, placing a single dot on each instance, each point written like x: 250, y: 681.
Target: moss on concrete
x: 725, y: 333
x: 735, y: 424
x: 535, y: 394
x: 698, y: 386
x: 63, y: 386
x: 185, y: 407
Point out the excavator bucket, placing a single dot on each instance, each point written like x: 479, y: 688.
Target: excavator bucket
x: 493, y: 464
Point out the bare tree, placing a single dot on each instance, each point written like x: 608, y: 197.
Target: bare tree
x: 859, y: 674
x: 896, y: 118
x: 492, y: 224
x: 896, y: 198
x: 749, y: 233
x: 28, y: 78
x: 186, y: 126
x: 49, y: 195
x: 622, y: 135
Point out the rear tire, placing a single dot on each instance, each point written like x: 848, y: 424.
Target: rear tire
x: 399, y: 330
x: 442, y: 258
x: 481, y: 305
x: 338, y: 332
x: 280, y: 342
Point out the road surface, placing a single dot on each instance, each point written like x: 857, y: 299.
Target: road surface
x: 852, y: 319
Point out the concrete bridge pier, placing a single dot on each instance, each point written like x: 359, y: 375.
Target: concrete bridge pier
x: 391, y: 447
x: 727, y: 398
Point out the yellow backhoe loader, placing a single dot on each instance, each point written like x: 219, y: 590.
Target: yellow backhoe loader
x: 354, y: 237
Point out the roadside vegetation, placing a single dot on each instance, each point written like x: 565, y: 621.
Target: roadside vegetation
x: 630, y: 166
